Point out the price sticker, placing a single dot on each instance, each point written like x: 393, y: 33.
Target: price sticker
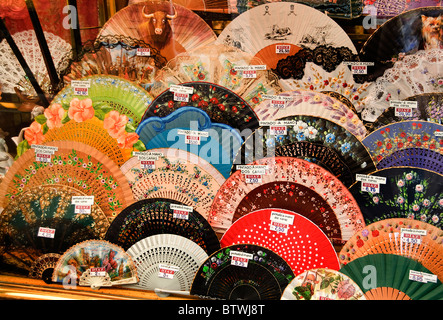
x: 370, y: 187
x: 193, y: 137
x: 240, y: 259
x: 181, y: 97
x: 167, y: 271
x: 181, y: 211
x: 249, y: 74
x: 358, y: 68
x: 253, y: 178
x: 278, y: 130
x: 438, y: 133
x: 80, y: 91
x: 82, y: 204
x: 422, y: 276
x: 282, y: 48
x: 280, y: 221
x: 43, y: 153
x: 98, y: 272
x: 370, y: 183
x: 412, y: 236
x: 46, y: 232
x: 143, y: 52
x: 80, y: 87
x: 403, y: 108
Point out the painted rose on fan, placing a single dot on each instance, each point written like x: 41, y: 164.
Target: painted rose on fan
x: 34, y: 134
x: 81, y: 110
x: 115, y: 123
x: 54, y: 115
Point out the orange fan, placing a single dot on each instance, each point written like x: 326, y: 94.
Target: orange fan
x: 76, y: 165
x: 271, y: 54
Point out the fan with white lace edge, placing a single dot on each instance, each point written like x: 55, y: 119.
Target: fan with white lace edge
x: 166, y: 262
x: 13, y: 74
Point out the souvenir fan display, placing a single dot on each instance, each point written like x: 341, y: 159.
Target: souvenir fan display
x: 290, y: 235
x: 242, y: 271
x: 322, y: 284
x: 286, y: 169
x: 415, y: 74
x: 408, y: 192
x: 311, y: 103
x: 191, y: 129
x: 400, y: 36
x: 87, y: 122
x: 73, y: 164
x: 127, y: 58
x: 314, y: 139
x: 43, y: 220
x: 283, y: 22
x: 13, y: 75
x: 166, y: 261
x: 221, y: 104
x: 149, y: 217
x: 176, y: 175
x: 166, y: 26
x: 397, y: 278
x: 416, y: 240
x: 95, y: 263
x: 386, y: 8
x: 197, y: 5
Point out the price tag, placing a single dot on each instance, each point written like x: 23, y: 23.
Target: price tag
x: 370, y: 187
x: 278, y: 130
x: 253, y: 178
x: 167, y: 271
x: 422, y: 276
x: 180, y: 211
x: 46, y: 232
x: 240, y: 259
x: 370, y: 183
x: 358, y: 67
x: 80, y: 91
x: 97, y: 272
x: 80, y: 87
x: 438, y: 133
x: 403, y: 108
x: 280, y: 221
x: 253, y: 174
x: 181, y: 97
x: 181, y: 89
x: 193, y: 137
x: 143, y: 52
x: 82, y: 204
x: 249, y: 74
x: 413, y: 236
x: 43, y: 153
x: 147, y: 159
x: 282, y: 48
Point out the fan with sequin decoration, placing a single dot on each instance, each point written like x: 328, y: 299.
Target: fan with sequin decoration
x: 43, y: 220
x: 95, y: 263
x: 322, y: 284
x: 409, y: 192
x: 413, y: 239
x: 149, y: 217
x: 393, y: 277
x: 311, y: 138
x: 289, y: 234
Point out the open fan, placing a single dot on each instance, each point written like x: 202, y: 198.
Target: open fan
x: 242, y: 271
x: 409, y: 192
x: 296, y: 239
x: 95, y: 263
x: 311, y: 138
x: 191, y: 129
x: 43, y: 267
x: 310, y: 103
x: 149, y: 217
x: 286, y: 169
x: 176, y: 175
x: 43, y: 220
x: 322, y: 284
x: 286, y: 22
x: 410, y: 238
x: 168, y: 27
x: 166, y: 261
x: 198, y: 5
x: 13, y: 75
x: 386, y: 8
x: 393, y: 277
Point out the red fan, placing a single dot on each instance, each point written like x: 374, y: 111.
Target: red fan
x: 296, y: 239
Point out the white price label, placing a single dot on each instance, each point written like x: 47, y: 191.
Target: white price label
x: 280, y: 221
x: 240, y: 259
x: 181, y: 97
x: 278, y: 104
x: 42, y: 157
x: 43, y: 153
x: 282, y: 48
x: 181, y: 89
x: 422, y: 276
x: 249, y: 74
x: 412, y: 236
x: 367, y: 178
x: 253, y: 178
x: 438, y: 133
x: 83, y: 204
x: 278, y: 130
x: 143, y: 52
x: 167, y: 271
x: 370, y: 187
x: 46, y: 232
x: 82, y: 209
x: 251, y: 169
x: 180, y: 211
x: 97, y: 272
x: 359, y: 69
x: 81, y: 91
x: 147, y: 164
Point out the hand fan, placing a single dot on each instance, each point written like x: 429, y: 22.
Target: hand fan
x: 387, y: 8
x: 310, y: 103
x: 311, y: 138
x: 415, y: 74
x: 401, y: 35
x: 191, y: 129
x: 392, y: 277
x: 76, y: 165
x: 150, y: 217
x: 43, y: 267
x: 13, y: 75
x: 242, y: 272
x: 322, y: 284
x: 412, y: 193
x: 95, y: 263
x: 190, y: 180
x: 286, y: 169
x: 221, y: 104
x: 279, y: 22
x: 43, y: 220
x: 168, y: 27
x: 296, y: 239
x: 166, y: 261
x: 416, y: 240
x: 198, y: 5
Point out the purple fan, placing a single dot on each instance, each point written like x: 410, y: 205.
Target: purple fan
x: 414, y: 157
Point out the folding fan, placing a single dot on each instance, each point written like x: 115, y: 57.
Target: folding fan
x: 198, y: 5
x: 310, y: 103
x: 175, y: 175
x: 73, y: 164
x: 182, y: 31
x: 166, y: 261
x: 191, y: 129
x: 387, y: 8
x: 43, y: 267
x: 286, y: 22
x: 149, y: 217
x: 415, y: 74
x: 43, y: 220
x: 13, y: 75
x: 416, y: 240
x: 95, y: 263
x: 221, y: 104
x: 322, y: 284
x: 286, y: 169
x: 296, y: 239
x: 393, y: 277
x: 310, y: 138
x: 242, y: 272
x: 409, y: 192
